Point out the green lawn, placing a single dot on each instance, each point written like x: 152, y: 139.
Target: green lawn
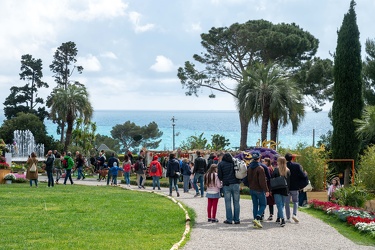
x: 343, y: 228
x: 84, y: 217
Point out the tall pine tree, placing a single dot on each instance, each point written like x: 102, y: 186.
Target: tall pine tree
x: 348, y: 100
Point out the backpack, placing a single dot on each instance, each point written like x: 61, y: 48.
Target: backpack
x: 136, y: 166
x: 240, y: 168
x: 65, y: 163
x: 154, y: 168
x: 33, y: 168
x: 127, y: 167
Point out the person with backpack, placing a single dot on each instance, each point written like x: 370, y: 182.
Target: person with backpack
x: 68, y: 170
x: 185, y: 171
x: 31, y: 174
x: 231, y: 188
x: 140, y: 169
x: 155, y: 172
x: 173, y: 172
x: 258, y: 188
x: 126, y: 165
x: 200, y: 167
x: 297, y: 180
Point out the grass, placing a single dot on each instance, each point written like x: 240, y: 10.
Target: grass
x: 342, y: 227
x: 83, y: 217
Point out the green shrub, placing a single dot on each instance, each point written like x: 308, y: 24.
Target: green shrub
x: 366, y: 169
x: 353, y: 196
x: 313, y: 162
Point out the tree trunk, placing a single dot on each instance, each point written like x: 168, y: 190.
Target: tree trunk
x: 347, y: 176
x: 265, y: 120
x: 62, y: 131
x: 274, y: 129
x: 244, y: 122
x: 69, y: 121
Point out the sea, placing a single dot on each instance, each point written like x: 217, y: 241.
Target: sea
x: 193, y: 123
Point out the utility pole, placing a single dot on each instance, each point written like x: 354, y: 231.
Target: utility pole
x: 173, y: 124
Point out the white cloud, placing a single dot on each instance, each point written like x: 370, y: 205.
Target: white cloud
x: 109, y: 55
x: 89, y: 63
x: 194, y: 28
x: 135, y: 19
x: 163, y: 64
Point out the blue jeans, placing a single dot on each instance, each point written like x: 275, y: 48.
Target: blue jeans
x: 36, y: 182
x: 173, y: 182
x: 127, y: 178
x: 232, y: 192
x: 294, y: 195
x: 156, y: 182
x: 50, y: 178
x: 109, y: 176
x: 80, y: 173
x: 198, y: 177
x: 114, y: 179
x: 186, y: 182
x: 259, y: 202
x: 68, y: 174
x: 279, y: 200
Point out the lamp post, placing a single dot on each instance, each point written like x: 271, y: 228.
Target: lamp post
x: 173, y: 124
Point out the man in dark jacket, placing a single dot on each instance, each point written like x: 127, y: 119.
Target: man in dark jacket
x: 231, y: 188
x: 258, y: 188
x: 49, y: 167
x: 296, y: 176
x: 200, y: 167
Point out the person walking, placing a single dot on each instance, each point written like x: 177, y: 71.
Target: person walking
x: 68, y: 170
x: 140, y: 169
x: 126, y: 165
x: 213, y: 185
x: 111, y: 161
x: 32, y: 175
x: 231, y: 188
x: 280, y: 194
x: 156, y: 172
x: 185, y: 171
x: 200, y: 167
x: 79, y: 165
x: 270, y: 198
x: 57, y: 165
x: 296, y: 177
x: 173, y: 172
x: 114, y: 169
x: 49, y: 168
x: 258, y: 188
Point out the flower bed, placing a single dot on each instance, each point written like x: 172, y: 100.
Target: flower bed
x: 363, y: 220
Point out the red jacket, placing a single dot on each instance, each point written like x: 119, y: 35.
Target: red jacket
x: 159, y: 170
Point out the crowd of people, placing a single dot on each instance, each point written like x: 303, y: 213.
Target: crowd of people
x: 216, y: 176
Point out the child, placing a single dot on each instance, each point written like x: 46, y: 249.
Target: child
x: 335, y: 184
x: 127, y: 168
x: 213, y: 184
x: 114, y: 171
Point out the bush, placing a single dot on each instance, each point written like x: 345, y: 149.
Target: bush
x: 352, y: 196
x: 366, y: 170
x: 313, y: 162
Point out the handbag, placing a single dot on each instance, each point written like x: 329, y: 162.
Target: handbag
x: 278, y: 182
x: 33, y: 168
x: 308, y: 188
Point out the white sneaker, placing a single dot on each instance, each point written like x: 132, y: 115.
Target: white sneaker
x: 295, y: 219
x: 288, y: 220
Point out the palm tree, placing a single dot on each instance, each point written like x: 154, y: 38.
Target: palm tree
x: 365, y: 127
x: 267, y: 93
x: 71, y: 104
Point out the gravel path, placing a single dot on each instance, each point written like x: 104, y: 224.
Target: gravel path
x: 310, y: 233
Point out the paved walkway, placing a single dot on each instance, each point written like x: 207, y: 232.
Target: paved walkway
x: 310, y: 233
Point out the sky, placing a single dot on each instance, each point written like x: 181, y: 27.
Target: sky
x: 131, y: 49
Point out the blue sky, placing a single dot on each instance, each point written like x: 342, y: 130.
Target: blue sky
x: 130, y: 50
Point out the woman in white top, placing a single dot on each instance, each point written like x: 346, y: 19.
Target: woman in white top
x: 335, y: 184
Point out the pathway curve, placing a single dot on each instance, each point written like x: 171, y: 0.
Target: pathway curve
x: 310, y: 233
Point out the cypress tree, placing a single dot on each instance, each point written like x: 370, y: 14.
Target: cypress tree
x: 348, y: 100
